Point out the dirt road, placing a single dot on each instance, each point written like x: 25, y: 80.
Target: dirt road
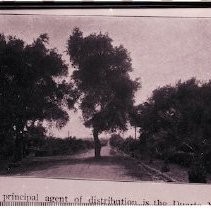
x: 112, y: 166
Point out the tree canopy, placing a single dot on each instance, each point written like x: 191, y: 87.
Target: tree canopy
x: 178, y: 118
x: 32, y: 87
x: 101, y: 74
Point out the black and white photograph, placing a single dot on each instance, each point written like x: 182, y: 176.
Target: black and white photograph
x: 106, y: 97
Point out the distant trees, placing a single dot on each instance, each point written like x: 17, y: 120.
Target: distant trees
x: 32, y: 88
x: 134, y: 116
x: 178, y: 117
x: 102, y: 78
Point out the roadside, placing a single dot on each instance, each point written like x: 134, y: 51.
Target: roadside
x: 177, y: 173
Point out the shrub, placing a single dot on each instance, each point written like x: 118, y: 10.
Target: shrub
x: 116, y: 140
x: 208, y: 162
x: 129, y: 145
x: 197, y: 173
x: 181, y: 158
x: 6, y: 150
x: 104, y: 142
x: 165, y: 168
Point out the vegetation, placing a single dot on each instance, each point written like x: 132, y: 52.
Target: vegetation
x: 175, y: 126
x: 36, y: 91
x: 102, y: 78
x: 32, y: 90
x: 128, y: 145
x: 56, y: 146
x: 67, y: 146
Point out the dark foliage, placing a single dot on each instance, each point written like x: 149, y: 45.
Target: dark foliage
x: 69, y: 146
x: 31, y: 89
x: 175, y: 126
x: 102, y: 78
x: 129, y: 145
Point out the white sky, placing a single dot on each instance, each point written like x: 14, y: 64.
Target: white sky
x: 163, y: 50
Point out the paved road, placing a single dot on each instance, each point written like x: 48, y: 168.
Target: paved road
x: 112, y: 166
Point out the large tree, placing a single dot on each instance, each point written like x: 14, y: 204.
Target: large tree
x: 32, y: 87
x: 101, y: 74
x: 176, y: 117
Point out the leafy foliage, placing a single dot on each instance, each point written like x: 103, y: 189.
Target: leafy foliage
x: 179, y: 115
x: 30, y: 90
x: 175, y: 126
x: 102, y: 77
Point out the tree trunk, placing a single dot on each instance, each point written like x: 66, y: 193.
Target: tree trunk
x: 97, y: 144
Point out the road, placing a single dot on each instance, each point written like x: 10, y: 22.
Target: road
x: 112, y: 166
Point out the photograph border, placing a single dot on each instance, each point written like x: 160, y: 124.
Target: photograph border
x: 5, y: 5
x: 191, y: 188
x: 94, y: 5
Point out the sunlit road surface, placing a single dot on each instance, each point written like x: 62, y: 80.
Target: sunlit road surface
x: 111, y: 166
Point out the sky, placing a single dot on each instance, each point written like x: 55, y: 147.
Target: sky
x: 163, y: 50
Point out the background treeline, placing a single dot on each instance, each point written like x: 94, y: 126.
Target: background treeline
x: 56, y: 146
x: 175, y: 126
x: 48, y: 146
x: 52, y: 146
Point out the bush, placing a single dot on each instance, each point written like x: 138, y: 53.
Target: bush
x: 208, y: 162
x: 129, y: 145
x: 103, y: 142
x: 6, y: 150
x: 181, y: 158
x: 116, y: 140
x: 40, y: 153
x: 197, y: 173
x: 165, y: 168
